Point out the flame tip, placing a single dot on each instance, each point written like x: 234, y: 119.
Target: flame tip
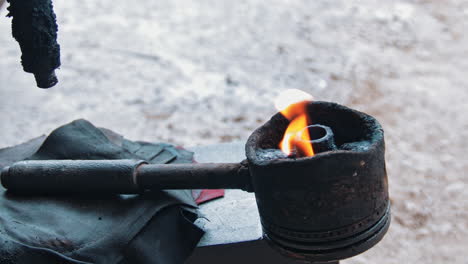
x: 291, y: 96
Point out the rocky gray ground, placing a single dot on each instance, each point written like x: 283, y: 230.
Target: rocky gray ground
x: 206, y: 71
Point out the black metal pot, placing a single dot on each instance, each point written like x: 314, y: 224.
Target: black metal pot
x: 330, y: 206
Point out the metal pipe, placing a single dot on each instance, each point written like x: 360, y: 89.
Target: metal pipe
x: 194, y: 176
x: 120, y: 176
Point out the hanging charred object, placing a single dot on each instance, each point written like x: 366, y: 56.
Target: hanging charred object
x: 35, y: 28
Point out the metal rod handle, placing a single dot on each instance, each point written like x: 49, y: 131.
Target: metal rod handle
x: 194, y: 176
x: 119, y: 176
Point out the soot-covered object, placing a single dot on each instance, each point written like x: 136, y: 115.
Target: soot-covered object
x: 35, y: 28
x: 333, y: 205
x: 322, y: 208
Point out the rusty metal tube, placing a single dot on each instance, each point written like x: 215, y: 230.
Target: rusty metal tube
x: 119, y: 176
x: 194, y: 176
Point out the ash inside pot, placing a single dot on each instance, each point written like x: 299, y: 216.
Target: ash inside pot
x: 357, y: 146
x: 270, y: 154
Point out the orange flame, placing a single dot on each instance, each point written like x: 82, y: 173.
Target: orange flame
x: 292, y: 105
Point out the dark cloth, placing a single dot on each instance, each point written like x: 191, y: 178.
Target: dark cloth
x: 154, y: 227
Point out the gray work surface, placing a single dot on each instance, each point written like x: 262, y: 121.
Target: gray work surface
x: 232, y: 224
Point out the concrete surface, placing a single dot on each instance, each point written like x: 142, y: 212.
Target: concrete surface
x: 206, y: 71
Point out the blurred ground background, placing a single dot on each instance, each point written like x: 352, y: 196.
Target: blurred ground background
x: 206, y: 71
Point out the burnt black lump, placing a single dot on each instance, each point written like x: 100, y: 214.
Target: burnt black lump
x: 35, y: 28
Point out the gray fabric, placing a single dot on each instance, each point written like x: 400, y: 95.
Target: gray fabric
x: 99, y: 229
